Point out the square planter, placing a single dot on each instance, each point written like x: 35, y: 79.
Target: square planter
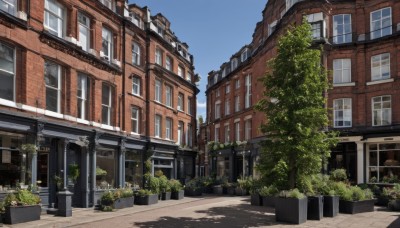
x: 146, y: 200
x: 315, y: 208
x: 331, y: 206
x: 224, y: 190
x: 217, y: 189
x: 22, y: 214
x: 208, y: 189
x: 240, y: 191
x: 291, y: 210
x: 124, y: 202
x: 165, y: 195
x: 193, y: 192
x: 268, y: 201
x: 231, y: 191
x: 354, y: 207
x: 382, y: 201
x: 255, y: 199
x: 178, y: 195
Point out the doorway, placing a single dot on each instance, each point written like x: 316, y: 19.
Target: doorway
x: 344, y: 156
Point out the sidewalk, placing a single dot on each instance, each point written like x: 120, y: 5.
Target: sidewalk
x: 88, y: 215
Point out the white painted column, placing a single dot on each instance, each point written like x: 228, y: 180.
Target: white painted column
x: 360, y: 162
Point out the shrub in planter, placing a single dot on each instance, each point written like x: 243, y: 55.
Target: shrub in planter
x: 353, y: 199
x: 146, y: 197
x: 123, y: 198
x: 268, y: 195
x: 177, y: 191
x: 194, y: 187
x: 217, y: 189
x: 21, y: 206
x: 165, y: 188
x: 231, y: 189
x: 291, y: 207
x: 392, y: 195
x: 322, y: 185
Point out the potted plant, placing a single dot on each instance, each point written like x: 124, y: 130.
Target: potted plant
x: 268, y: 195
x: 230, y: 190
x: 193, y: 188
x: 177, y: 191
x: 146, y: 197
x: 353, y: 199
x: 291, y: 207
x: 21, y: 206
x: 73, y: 172
x: 106, y: 201
x: 165, y: 188
x: 243, y: 185
x: 123, y: 198
x: 217, y: 187
x: 324, y: 202
x: 393, y: 197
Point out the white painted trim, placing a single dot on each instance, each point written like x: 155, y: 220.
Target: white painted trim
x: 70, y: 118
x: 216, y: 126
x: 383, y: 139
x: 236, y: 120
x: 8, y: 103
x: 134, y: 134
x: 32, y: 109
x: 53, y: 114
x: 226, y: 124
x: 82, y: 121
x: 107, y: 127
x: 248, y: 117
x: 350, y: 139
x: 344, y: 84
x: 95, y: 124
x: 360, y: 162
x: 380, y: 81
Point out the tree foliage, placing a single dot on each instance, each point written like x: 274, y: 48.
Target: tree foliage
x: 294, y: 105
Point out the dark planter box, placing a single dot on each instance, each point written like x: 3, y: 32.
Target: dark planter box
x: 217, y: 189
x: 354, y: 207
x: 124, y: 202
x: 224, y: 190
x: 315, y: 208
x: 291, y: 210
x: 268, y: 201
x: 146, y: 200
x: 331, y: 206
x: 22, y: 214
x: 193, y: 192
x: 178, y: 195
x: 382, y: 201
x: 97, y: 196
x: 255, y: 199
x: 208, y: 189
x: 240, y: 191
x: 231, y: 191
x: 394, y: 205
x: 166, y: 196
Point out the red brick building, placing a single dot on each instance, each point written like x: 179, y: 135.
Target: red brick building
x: 79, y: 82
x: 360, y: 45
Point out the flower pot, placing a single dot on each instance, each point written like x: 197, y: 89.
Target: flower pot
x: 178, y: 195
x: 255, y: 199
x: 231, y: 191
x: 382, y: 201
x: 224, y: 190
x: 146, y: 200
x: 268, y: 201
x: 240, y: 191
x: 166, y: 196
x: 20, y: 214
x: 331, y: 206
x: 291, y: 210
x: 354, y: 207
x: 394, y: 205
x: 315, y: 207
x: 123, y: 203
x: 193, y: 192
x: 217, y: 189
x: 208, y: 189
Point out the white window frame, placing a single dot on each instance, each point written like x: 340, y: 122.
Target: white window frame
x: 234, y: 64
x: 168, y: 96
x: 237, y: 103
x: 190, y: 135
x: 157, y: 90
x: 237, y: 131
x: 245, y: 55
x: 216, y: 134
x: 107, y: 106
x: 189, y: 105
x: 108, y: 3
x: 107, y: 44
x: 168, y: 128
x: 345, y: 36
x: 342, y: 112
x: 227, y: 133
x: 248, y: 92
x: 180, y: 102
x: 379, y: 112
x: 341, y: 71
x: 379, y: 32
x: 227, y: 107
x: 377, y: 65
x: 247, y: 125
x: 227, y: 88
x: 59, y: 16
x: 188, y: 77
x: 136, y: 86
x: 6, y: 73
x: 135, y: 119
x: 217, y: 110
x: 136, y: 54
x: 157, y: 126
x: 217, y: 93
x: 84, y: 25
x: 237, y: 84
x: 11, y: 7
x: 84, y: 80
x: 58, y: 88
x: 168, y: 63
x: 158, y: 56
x: 180, y: 72
x: 180, y: 133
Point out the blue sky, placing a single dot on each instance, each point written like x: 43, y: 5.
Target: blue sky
x: 213, y: 29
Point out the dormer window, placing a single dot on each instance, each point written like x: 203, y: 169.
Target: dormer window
x: 215, y: 78
x: 160, y: 30
x: 245, y: 55
x: 234, y: 64
x: 223, y: 72
x: 108, y: 3
x: 136, y: 19
x: 271, y: 27
x: 9, y: 6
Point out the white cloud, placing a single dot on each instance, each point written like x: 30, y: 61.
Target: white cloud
x: 201, y: 105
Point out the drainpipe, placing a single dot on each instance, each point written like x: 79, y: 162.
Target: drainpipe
x: 123, y: 77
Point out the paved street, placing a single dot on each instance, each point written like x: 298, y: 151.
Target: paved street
x: 207, y: 212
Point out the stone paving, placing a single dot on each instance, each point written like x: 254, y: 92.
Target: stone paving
x: 207, y: 211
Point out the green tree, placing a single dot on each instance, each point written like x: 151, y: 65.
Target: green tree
x: 294, y: 105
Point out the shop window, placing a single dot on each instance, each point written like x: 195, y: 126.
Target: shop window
x: 105, y: 164
x: 383, y: 163
x: 133, y: 168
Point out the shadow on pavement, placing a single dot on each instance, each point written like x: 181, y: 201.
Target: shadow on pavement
x: 395, y: 223
x: 233, y: 216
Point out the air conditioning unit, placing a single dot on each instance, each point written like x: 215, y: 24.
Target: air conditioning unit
x: 70, y: 39
x: 93, y: 52
x: 116, y: 62
x: 22, y: 15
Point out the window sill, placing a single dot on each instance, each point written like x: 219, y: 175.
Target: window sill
x: 339, y: 127
x: 135, y: 95
x: 380, y: 81
x: 8, y: 103
x: 135, y: 134
x: 344, y: 84
x: 107, y: 127
x: 82, y: 121
x: 53, y: 114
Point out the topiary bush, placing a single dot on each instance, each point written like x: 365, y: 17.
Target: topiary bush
x: 268, y: 191
x: 294, y: 193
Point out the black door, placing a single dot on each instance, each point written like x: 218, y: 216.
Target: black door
x: 344, y: 156
x: 74, y: 159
